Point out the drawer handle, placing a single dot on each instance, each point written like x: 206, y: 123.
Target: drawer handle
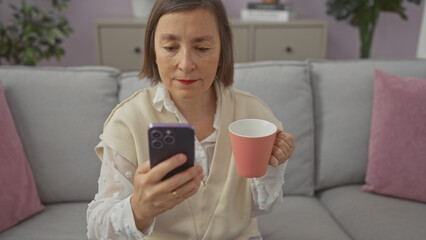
x: 137, y: 50
x: 289, y: 49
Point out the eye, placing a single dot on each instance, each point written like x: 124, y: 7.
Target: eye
x: 170, y: 48
x: 203, y: 49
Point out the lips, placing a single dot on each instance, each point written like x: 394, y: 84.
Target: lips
x: 186, y: 82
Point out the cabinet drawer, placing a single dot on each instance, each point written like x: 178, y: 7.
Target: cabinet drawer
x: 120, y: 42
x: 288, y: 43
x: 121, y: 47
x: 241, y: 37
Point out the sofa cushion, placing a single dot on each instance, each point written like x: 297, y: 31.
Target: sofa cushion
x: 57, y: 221
x: 286, y: 89
x: 343, y: 99
x: 300, y: 217
x: 397, y: 153
x: 368, y: 216
x: 59, y: 114
x: 129, y: 83
x: 19, y: 198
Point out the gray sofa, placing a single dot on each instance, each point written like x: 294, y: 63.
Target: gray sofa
x: 326, y: 105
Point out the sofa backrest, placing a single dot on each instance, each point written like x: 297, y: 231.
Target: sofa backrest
x: 285, y: 87
x: 343, y: 98
x: 326, y: 105
x: 129, y: 83
x: 59, y: 114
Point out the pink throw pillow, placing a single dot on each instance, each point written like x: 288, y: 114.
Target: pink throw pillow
x: 397, y: 153
x: 18, y: 194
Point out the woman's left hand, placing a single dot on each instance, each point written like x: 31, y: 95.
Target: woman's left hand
x: 283, y: 149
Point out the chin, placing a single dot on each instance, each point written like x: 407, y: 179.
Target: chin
x: 187, y: 95
x: 184, y: 93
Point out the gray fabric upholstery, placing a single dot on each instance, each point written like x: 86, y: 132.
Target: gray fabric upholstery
x: 130, y: 83
x: 343, y: 98
x: 368, y: 216
x: 294, y: 95
x: 300, y: 217
x: 288, y: 93
x: 65, y: 221
x: 59, y: 114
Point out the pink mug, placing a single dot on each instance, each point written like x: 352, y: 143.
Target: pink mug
x: 252, y: 141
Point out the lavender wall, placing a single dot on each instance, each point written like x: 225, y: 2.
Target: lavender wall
x: 394, y: 37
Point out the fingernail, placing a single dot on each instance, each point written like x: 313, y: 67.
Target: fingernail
x: 181, y: 158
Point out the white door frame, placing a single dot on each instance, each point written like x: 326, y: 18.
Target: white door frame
x: 421, y: 44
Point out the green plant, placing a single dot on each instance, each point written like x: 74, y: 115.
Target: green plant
x: 364, y: 15
x: 33, y: 34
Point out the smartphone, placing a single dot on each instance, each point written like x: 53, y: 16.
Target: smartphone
x: 168, y: 139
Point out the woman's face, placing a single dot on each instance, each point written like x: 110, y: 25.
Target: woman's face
x: 187, y: 49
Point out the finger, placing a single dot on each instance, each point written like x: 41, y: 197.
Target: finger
x: 288, y: 145
x: 279, y: 142
x: 181, y: 178
x: 187, y: 190
x: 284, y: 146
x: 143, y: 168
x: 287, y: 152
x: 160, y: 170
x: 280, y: 154
x: 281, y: 135
x: 289, y: 139
x: 180, y: 198
x: 274, y: 161
x: 191, y: 193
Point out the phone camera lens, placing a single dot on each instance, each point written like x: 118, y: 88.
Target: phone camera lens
x: 156, y: 134
x: 169, y: 139
x: 157, y: 144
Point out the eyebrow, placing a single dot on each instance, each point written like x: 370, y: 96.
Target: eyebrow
x: 168, y: 36
x: 173, y: 37
x: 203, y: 38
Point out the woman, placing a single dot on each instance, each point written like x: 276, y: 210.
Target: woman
x: 188, y: 58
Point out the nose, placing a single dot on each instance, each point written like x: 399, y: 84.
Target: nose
x: 186, y: 63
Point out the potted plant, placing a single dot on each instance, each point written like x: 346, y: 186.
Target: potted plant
x: 364, y: 15
x: 33, y: 34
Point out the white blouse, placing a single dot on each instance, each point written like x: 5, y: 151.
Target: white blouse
x: 110, y: 216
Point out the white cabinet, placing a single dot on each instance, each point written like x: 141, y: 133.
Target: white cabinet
x: 120, y: 41
x: 296, y: 40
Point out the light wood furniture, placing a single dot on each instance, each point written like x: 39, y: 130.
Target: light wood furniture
x: 120, y: 41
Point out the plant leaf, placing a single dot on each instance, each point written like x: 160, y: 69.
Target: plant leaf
x: 342, y: 9
x: 31, y: 34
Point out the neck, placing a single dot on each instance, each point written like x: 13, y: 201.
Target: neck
x: 199, y: 112
x: 203, y: 105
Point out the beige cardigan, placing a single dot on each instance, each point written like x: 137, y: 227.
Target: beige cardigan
x: 221, y: 209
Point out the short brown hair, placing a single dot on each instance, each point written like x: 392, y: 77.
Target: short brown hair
x: 225, y: 71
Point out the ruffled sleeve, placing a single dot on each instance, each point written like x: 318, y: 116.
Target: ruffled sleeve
x: 110, y: 215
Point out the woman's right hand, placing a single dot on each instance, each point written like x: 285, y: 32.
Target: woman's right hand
x: 152, y: 196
